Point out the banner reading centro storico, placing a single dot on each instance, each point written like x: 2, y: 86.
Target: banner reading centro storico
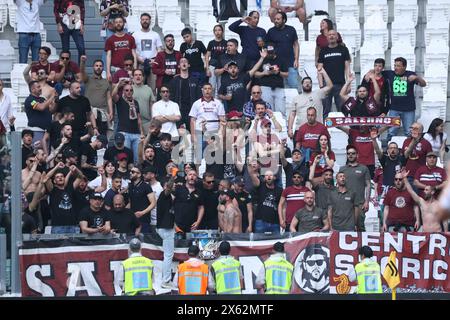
x: 321, y: 260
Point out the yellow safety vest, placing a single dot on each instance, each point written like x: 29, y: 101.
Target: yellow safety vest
x: 368, y: 277
x: 138, y: 275
x: 227, y: 276
x: 278, y: 276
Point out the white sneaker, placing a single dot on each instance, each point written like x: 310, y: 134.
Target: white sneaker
x: 167, y: 285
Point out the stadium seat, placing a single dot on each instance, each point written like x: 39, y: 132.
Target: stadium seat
x: 199, y: 10
x: 264, y: 10
x: 404, y: 49
x: 436, y: 30
x: 54, y: 55
x: 167, y: 8
x: 137, y: 7
x: 3, y: 14
x: 12, y: 8
x: 7, y: 58
x: 18, y: 84
x: 307, y: 64
x: 290, y: 95
x: 315, y: 5
x: 372, y: 7
x: 204, y: 29
x: 368, y: 53
x: 314, y: 27
x: 375, y: 29
x: 403, y: 29
x: 174, y: 26
x: 133, y: 23
x: 350, y: 31
x: 346, y: 9
x: 438, y: 11
x: 407, y: 10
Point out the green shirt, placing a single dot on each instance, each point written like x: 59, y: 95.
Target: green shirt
x: 343, y: 210
x: 96, y: 91
x: 144, y: 96
x: 309, y: 221
x: 355, y: 180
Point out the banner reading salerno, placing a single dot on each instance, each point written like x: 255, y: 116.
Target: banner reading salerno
x: 321, y: 261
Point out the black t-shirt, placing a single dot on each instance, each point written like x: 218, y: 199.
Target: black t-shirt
x: 210, y: 200
x: 94, y: 219
x: 237, y: 88
x: 25, y: 152
x: 123, y: 221
x: 55, y: 133
x: 243, y: 199
x: 170, y: 63
x: 28, y: 223
x: 217, y: 48
x: 391, y: 167
x: 283, y: 40
x: 36, y: 118
x: 80, y: 199
x: 165, y: 217
x: 239, y: 58
x: 333, y: 60
x: 185, y: 105
x: 124, y: 174
x: 112, y: 152
x: 91, y: 158
x: 161, y: 158
x: 400, y: 90
x: 123, y: 113
x: 194, y: 55
x: 186, y: 207
x: 79, y: 107
x: 268, y: 200
x: 74, y: 144
x: 109, y: 196
x: 291, y: 167
x: 273, y: 80
x: 61, y: 207
x: 138, y: 194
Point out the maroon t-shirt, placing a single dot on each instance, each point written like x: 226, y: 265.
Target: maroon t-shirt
x: 120, y: 47
x: 49, y: 67
x: 430, y: 176
x: 294, y: 200
x: 364, y: 146
x: 322, y: 163
x: 401, y: 207
x: 322, y: 41
x: 417, y: 157
x: 308, y: 135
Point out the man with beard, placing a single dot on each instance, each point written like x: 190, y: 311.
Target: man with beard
x: 250, y: 106
x: 230, y: 219
x: 268, y: 198
x: 94, y: 218
x: 27, y: 145
x: 364, y: 105
x: 168, y: 112
x: 188, y: 207
x: 430, y: 175
x: 310, y: 218
x: 67, y: 142
x: 231, y: 54
x: 244, y: 200
x: 234, y: 86
x: 148, y: 44
x: 292, y: 199
x: 148, y: 158
x: 323, y: 186
x: 66, y: 71
x: 400, y: 212
x: 43, y: 63
x: 42, y: 76
x: 89, y: 156
x: 54, y: 133
x: 118, y: 147
x: 30, y: 174
x: 142, y: 199
x: 313, y: 274
x: 117, y: 47
x: 343, y: 209
x: 166, y: 64
x: 357, y: 181
x: 122, y: 219
x: 81, y: 108
x: 144, y: 96
x: 98, y: 91
x: 154, y: 134
x: 307, y: 99
x: 210, y: 202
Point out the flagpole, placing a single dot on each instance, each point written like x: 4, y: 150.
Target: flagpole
x: 394, y: 294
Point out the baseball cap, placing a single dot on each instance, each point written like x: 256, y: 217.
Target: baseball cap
x: 95, y: 195
x: 102, y: 138
x: 239, y: 180
x: 265, y: 122
x: 69, y: 153
x: 121, y: 156
x: 234, y: 114
x: 227, y: 192
x: 232, y: 63
x: 432, y: 154
x: 149, y: 169
x: 119, y: 138
x: 297, y: 150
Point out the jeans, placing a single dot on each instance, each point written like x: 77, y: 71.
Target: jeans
x: 77, y: 38
x: 262, y: 226
x: 201, y: 76
x: 407, y: 118
x: 200, y: 145
x: 27, y: 41
x: 214, y: 81
x: 328, y: 100
x: 168, y: 237
x: 292, y: 79
x: 65, y: 229
x: 276, y: 97
x: 132, y: 142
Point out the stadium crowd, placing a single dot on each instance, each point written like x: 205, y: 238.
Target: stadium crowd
x: 159, y: 112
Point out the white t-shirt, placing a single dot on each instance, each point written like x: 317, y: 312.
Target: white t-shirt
x: 97, y: 182
x: 303, y: 101
x: 5, y: 110
x: 435, y: 143
x: 157, y: 189
x: 28, y: 19
x: 203, y: 110
x: 147, y: 44
x: 169, y: 108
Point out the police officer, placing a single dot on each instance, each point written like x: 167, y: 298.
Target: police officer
x: 137, y: 272
x: 276, y: 274
x: 225, y: 276
x: 367, y: 273
x: 192, y: 274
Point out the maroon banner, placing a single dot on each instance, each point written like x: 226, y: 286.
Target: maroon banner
x: 363, y: 121
x: 321, y: 263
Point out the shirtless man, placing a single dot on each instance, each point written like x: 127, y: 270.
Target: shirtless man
x: 30, y: 175
x: 230, y: 217
x: 42, y: 77
x: 428, y: 206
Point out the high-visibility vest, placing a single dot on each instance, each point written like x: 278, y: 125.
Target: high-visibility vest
x: 138, y: 275
x: 227, y: 276
x: 368, y: 277
x: 278, y: 276
x: 192, y: 279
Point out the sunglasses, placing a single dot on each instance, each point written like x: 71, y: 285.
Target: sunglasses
x: 65, y: 58
x: 311, y: 263
x: 128, y: 64
x: 398, y: 179
x: 351, y: 153
x: 41, y: 73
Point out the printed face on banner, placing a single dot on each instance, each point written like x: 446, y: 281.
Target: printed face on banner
x: 311, y: 271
